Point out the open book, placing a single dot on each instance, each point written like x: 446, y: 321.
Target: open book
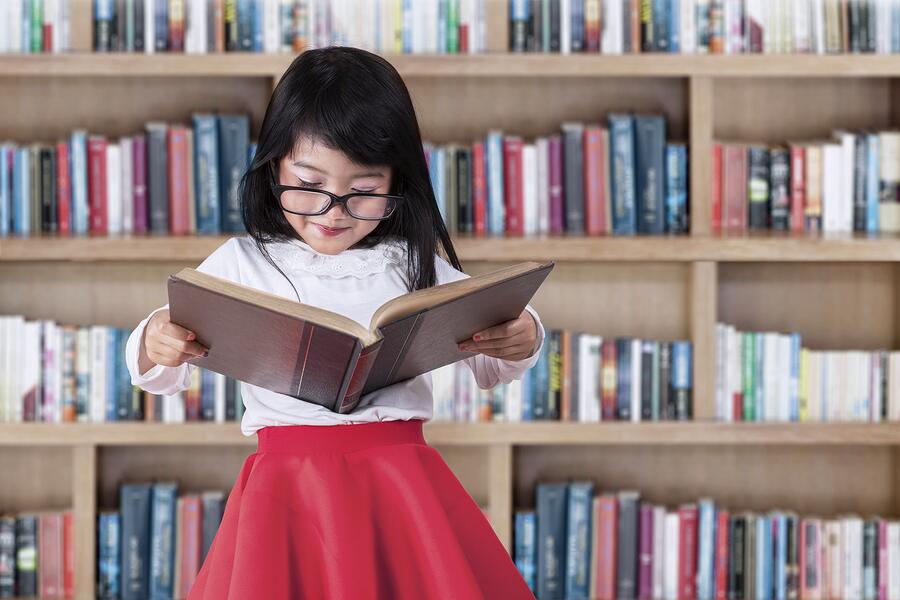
x: 326, y: 358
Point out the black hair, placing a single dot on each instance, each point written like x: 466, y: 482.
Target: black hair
x: 353, y: 101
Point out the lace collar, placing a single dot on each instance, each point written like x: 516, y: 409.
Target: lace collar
x: 298, y: 256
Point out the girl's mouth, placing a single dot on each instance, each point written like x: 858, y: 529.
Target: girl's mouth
x: 330, y: 231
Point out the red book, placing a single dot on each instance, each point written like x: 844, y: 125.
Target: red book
x: 798, y: 188
x: 463, y: 38
x: 97, y: 184
x: 607, y: 545
x: 721, y: 566
x: 47, y: 36
x: 687, y: 552
x: 883, y: 567
x: 176, y: 26
x: 190, y: 519
x: 608, y: 380
x: 479, y: 189
x: 512, y: 185
x: 594, y: 174
x: 734, y: 195
x: 179, y: 211
x: 717, y: 188
x: 592, y: 25
x: 50, y: 555
x: 68, y: 554
x: 63, y: 188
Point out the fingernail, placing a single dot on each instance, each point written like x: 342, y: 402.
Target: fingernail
x: 205, y: 354
x: 190, y: 336
x: 477, y: 337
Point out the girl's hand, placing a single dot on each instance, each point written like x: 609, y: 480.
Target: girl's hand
x: 513, y: 340
x: 165, y: 343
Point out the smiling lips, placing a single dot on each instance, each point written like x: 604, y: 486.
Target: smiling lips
x: 331, y: 231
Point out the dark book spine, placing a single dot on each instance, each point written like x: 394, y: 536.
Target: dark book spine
x: 681, y: 379
x: 812, y: 547
x: 162, y: 557
x: 554, y: 26
x: 537, y: 26
x: 622, y: 176
x: 792, y: 570
x: 230, y: 392
x: 206, y: 176
x: 860, y: 208
x: 647, y: 381
x: 135, y: 506
x: 623, y: 374
x: 551, y: 538
x: 161, y: 26
x: 207, y: 395
x: 576, y: 28
x: 870, y: 560
x: 758, y: 187
x: 245, y: 25
x: 660, y: 24
x: 26, y: 556
x: 212, y: 516
x: 108, y: 555
x: 648, y: 43
x: 650, y: 146
x: 102, y: 23
x: 121, y: 39
x: 139, y: 25
x: 157, y: 178
x: 736, y: 559
x: 234, y: 133
x: 626, y: 556
x: 122, y: 399
x: 574, y: 358
x: 48, y: 191
x: 7, y: 557
x: 464, y: 192
x: 518, y: 25
x: 37, y: 213
x: 231, y: 26
x: 666, y: 398
x: 573, y: 185
x: 780, y: 181
x: 554, y: 381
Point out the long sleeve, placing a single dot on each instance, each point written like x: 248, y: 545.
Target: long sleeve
x: 488, y: 370
x: 170, y: 380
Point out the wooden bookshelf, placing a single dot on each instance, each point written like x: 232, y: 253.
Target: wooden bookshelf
x: 840, y: 292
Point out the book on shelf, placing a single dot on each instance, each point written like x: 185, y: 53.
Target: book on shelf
x: 37, y: 554
x: 35, y: 27
x: 326, y: 358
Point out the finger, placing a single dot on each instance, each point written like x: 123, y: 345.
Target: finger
x: 169, y: 357
x: 491, y: 345
x: 513, y: 353
x: 191, y: 348
x: 502, y: 330
x: 176, y: 331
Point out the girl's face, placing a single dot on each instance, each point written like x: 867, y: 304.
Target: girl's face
x: 313, y: 164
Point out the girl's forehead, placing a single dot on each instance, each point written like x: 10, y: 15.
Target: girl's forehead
x: 313, y: 153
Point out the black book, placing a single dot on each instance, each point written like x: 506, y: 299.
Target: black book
x: 138, y: 25
x: 627, y: 550
x: 552, y: 518
x: 121, y: 27
x: 466, y: 223
x: 7, y: 557
x: 813, y: 575
x: 792, y: 569
x: 661, y: 20
x: 780, y: 181
x: 554, y: 26
x: 135, y: 506
x: 26, y: 556
x: 213, y: 506
x: 48, y: 190
x: 758, y: 187
x: 234, y: 139
x: 647, y: 381
x: 870, y: 555
x: 245, y: 25
x: 650, y: 148
x: 518, y: 26
x: 554, y: 381
x: 537, y: 26
x: 623, y: 375
x: 232, y: 42
x: 648, y: 43
x: 667, y: 407
x: 737, y: 524
x: 574, y: 338
x: 157, y: 178
x: 860, y: 152
x: 573, y: 185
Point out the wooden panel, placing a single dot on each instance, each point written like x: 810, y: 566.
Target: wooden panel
x: 84, y: 468
x: 500, y: 492
x: 819, y: 481
x: 778, y: 110
x: 703, y: 336
x: 700, y: 150
x: 43, y: 110
x: 646, y: 300
x: 35, y: 478
x: 833, y: 306
x: 537, y: 107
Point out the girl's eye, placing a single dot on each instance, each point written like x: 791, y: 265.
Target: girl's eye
x: 364, y: 191
x: 307, y: 183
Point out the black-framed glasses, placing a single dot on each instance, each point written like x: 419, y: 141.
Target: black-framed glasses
x: 307, y: 201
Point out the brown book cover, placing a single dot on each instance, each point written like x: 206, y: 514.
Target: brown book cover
x: 326, y: 358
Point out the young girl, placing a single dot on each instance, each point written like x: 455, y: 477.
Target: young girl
x: 340, y: 214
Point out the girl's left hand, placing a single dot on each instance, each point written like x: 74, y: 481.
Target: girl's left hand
x: 512, y: 340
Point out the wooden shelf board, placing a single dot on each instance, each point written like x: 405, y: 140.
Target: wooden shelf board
x: 480, y: 434
x: 747, y: 248
x: 248, y: 64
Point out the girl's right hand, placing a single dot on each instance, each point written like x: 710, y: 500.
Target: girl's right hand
x: 165, y: 343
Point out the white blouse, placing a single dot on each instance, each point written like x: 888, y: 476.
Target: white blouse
x: 353, y: 283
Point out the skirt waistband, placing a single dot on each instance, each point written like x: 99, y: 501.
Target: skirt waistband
x: 338, y: 438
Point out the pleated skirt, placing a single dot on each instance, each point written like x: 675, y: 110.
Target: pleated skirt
x: 353, y: 512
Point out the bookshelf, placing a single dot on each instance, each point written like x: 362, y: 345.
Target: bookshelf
x: 841, y: 292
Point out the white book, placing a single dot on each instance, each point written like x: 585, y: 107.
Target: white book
x: 529, y: 188
x: 14, y: 26
x: 4, y: 28
x: 418, y: 26
x: 114, y: 188
x: 271, y: 26
x: 670, y: 561
x: 17, y: 368
x: 66, y: 25
x: 889, y: 172
x: 589, y: 378
x: 770, y: 377
x: 875, y: 377
x: 817, y: 26
x: 82, y: 373
x: 852, y: 548
x: 688, y: 26
x: 31, y: 372
x: 612, y: 40
x: 197, y: 24
x: 721, y: 379
x: 543, y: 185
x: 388, y: 25
x: 565, y: 27
x: 784, y: 383
x: 893, y: 561
x: 893, y: 398
x: 833, y: 556
x: 150, y: 25
x: 127, y: 193
x: 6, y: 348
x: 219, y: 397
x: 636, y: 380
x: 659, y: 550
x: 848, y: 146
x: 513, y: 406
x: 883, y: 23
x: 98, y: 374
x: 832, y: 187
x: 430, y: 26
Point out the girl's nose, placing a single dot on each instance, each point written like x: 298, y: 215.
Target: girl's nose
x: 341, y: 210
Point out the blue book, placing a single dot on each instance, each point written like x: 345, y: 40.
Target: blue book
x: 161, y: 26
x: 576, y: 13
x: 622, y: 179
x: 244, y: 16
x: 496, y: 206
x: 763, y: 558
x: 439, y: 181
x: 578, y: 546
x: 162, y: 541
x: 21, y: 188
x: 134, y: 502
x: 541, y: 383
x: 259, y: 20
x: 526, y: 530
x: 674, y: 28
x: 407, y: 26
x: 873, y: 164
x: 5, y: 208
x: 528, y: 394
x: 795, y: 376
x: 779, y: 536
x: 78, y: 157
x: 676, y: 189
x: 442, y: 42
x: 661, y: 11
x: 681, y: 379
x: 109, y: 531
x: 124, y: 408
x: 113, y: 348
x: 895, y: 28
x: 206, y: 173
x: 706, y: 552
x: 234, y: 138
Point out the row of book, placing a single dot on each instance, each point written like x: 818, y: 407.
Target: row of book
x: 67, y: 373
x: 35, y: 26
x: 37, y: 555
x: 704, y: 26
x: 169, y: 179
x: 579, y: 377
x: 589, y: 179
x: 155, y: 544
x: 770, y: 376
x: 204, y: 26
x: 616, y: 546
x: 848, y: 184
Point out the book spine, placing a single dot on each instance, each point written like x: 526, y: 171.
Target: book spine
x: 361, y: 362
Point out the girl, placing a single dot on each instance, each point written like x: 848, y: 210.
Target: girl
x: 341, y: 214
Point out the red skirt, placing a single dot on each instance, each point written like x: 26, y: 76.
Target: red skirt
x: 351, y: 512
